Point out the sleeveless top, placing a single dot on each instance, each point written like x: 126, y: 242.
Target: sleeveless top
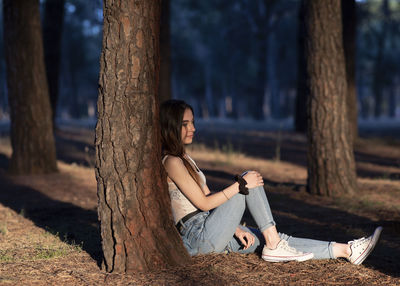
x: 181, y: 206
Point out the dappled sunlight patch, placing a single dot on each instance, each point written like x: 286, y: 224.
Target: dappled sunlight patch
x: 276, y: 171
x: 379, y: 172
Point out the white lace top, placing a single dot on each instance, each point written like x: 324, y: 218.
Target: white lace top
x: 181, y: 206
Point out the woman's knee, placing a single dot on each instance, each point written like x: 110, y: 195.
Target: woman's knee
x: 238, y: 201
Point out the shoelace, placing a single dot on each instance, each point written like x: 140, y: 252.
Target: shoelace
x: 287, y: 247
x: 359, y: 241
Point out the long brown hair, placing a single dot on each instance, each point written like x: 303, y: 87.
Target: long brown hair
x: 171, y: 118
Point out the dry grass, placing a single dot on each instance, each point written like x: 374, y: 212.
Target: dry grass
x: 49, y: 233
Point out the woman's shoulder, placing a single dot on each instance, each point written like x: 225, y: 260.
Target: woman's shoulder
x: 170, y: 160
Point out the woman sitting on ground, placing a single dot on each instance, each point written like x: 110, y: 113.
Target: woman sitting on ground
x: 210, y: 222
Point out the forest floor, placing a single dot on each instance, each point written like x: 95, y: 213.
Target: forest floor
x: 49, y: 232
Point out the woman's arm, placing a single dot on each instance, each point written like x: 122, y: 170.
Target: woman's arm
x: 179, y: 174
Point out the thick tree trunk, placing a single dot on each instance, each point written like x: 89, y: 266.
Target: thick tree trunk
x: 349, y: 44
x: 134, y: 208
x: 52, y: 32
x: 331, y: 166
x: 165, y: 53
x: 300, y: 121
x: 31, y: 126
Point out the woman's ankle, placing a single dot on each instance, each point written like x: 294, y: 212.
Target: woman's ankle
x: 272, y: 245
x: 341, y: 250
x: 271, y: 237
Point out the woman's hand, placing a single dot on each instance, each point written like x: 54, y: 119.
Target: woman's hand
x: 246, y: 238
x: 253, y: 179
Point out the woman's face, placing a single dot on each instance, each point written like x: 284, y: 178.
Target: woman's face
x: 187, y: 127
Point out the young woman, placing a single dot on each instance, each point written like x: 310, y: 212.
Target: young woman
x: 210, y: 222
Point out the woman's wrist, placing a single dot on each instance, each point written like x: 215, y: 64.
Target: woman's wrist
x: 223, y: 192
x: 242, y: 185
x: 237, y: 188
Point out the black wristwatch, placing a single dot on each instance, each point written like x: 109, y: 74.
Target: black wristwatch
x: 242, y: 185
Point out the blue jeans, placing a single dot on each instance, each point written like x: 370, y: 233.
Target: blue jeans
x: 213, y: 231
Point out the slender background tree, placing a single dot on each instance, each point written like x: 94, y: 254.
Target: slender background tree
x: 349, y: 20
x: 134, y: 208
x: 331, y: 166
x: 31, y: 125
x: 217, y: 51
x: 52, y: 35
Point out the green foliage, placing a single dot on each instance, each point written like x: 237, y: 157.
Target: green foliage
x: 5, y: 257
x: 48, y: 253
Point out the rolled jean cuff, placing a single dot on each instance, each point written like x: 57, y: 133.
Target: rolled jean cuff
x: 330, y: 248
x: 268, y: 225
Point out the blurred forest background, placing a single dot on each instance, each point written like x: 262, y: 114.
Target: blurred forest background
x: 242, y: 65
x: 229, y: 58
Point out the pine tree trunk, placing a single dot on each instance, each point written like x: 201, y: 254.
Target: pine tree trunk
x: 349, y: 45
x: 31, y: 125
x: 52, y: 34
x: 134, y: 208
x: 379, y: 73
x: 331, y: 166
x: 392, y: 101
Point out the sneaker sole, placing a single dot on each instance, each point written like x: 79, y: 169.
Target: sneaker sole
x: 287, y: 259
x: 370, y: 247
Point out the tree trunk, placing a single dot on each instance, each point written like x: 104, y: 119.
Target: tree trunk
x: 392, y: 100
x: 379, y: 74
x: 208, y: 91
x: 331, y: 166
x: 134, y: 207
x: 31, y: 126
x: 261, y: 77
x: 52, y: 32
x: 262, y: 33
x: 349, y: 44
x: 165, y: 53
x: 300, y: 122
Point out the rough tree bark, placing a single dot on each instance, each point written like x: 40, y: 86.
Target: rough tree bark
x: 165, y: 88
x: 31, y: 125
x: 349, y: 21
x: 331, y: 166
x: 52, y: 32
x: 134, y: 208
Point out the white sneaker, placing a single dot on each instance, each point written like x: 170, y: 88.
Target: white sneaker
x: 283, y: 252
x: 361, y: 248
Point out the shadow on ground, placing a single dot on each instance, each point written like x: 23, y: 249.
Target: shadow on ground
x: 300, y: 219
x: 71, y: 223
x: 293, y: 216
